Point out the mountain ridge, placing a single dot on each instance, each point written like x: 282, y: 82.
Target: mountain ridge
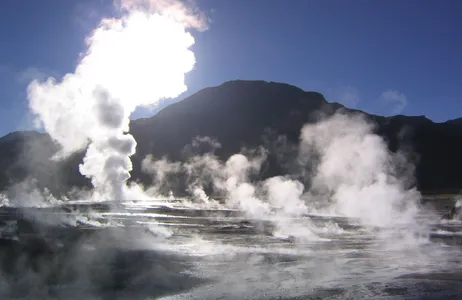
x: 246, y: 114
x: 456, y: 120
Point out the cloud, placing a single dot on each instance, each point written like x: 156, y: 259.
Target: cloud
x: 395, y: 98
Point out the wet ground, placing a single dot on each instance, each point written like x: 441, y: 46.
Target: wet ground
x: 164, y: 250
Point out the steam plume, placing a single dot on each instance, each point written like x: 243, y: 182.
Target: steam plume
x: 132, y: 61
x: 356, y: 174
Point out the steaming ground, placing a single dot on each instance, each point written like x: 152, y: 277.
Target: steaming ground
x: 171, y: 249
x: 349, y: 226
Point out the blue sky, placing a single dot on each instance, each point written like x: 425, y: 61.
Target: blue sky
x: 384, y: 57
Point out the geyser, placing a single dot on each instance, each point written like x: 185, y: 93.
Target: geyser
x: 131, y: 61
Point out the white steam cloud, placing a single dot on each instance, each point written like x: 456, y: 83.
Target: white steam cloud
x: 356, y: 175
x: 132, y: 61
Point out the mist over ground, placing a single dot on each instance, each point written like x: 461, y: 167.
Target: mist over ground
x: 336, y: 216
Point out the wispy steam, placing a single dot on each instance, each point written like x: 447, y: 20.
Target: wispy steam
x: 348, y: 95
x: 132, y: 61
x: 277, y: 199
x: 184, y: 12
x: 397, y: 99
x: 33, y: 73
x: 349, y: 172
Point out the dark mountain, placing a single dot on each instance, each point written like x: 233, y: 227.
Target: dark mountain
x: 244, y: 114
x: 457, y: 121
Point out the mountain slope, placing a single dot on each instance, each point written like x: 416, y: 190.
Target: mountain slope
x: 252, y: 113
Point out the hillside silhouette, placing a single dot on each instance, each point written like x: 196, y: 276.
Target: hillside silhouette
x: 243, y: 114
